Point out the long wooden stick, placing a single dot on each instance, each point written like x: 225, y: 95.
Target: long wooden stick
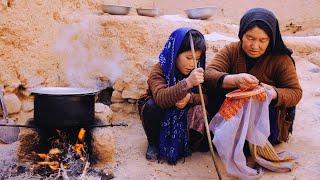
x: 204, y: 110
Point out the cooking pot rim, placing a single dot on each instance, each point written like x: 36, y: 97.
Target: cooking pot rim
x: 63, y: 91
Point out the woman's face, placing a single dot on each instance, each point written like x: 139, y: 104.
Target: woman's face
x: 185, y: 63
x: 255, y: 42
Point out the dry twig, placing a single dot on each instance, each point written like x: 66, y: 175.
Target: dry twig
x: 85, y: 170
x: 64, y: 172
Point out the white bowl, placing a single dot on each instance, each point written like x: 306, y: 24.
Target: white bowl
x: 115, y: 9
x: 200, y: 13
x: 148, y: 12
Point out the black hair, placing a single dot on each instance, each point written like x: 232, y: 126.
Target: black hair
x: 198, y: 41
x: 262, y: 25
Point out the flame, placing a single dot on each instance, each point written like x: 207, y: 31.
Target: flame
x: 81, y: 135
x: 51, y: 159
x: 79, y: 146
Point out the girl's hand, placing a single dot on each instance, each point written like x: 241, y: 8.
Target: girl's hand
x: 183, y: 102
x: 195, y: 78
x: 270, y: 90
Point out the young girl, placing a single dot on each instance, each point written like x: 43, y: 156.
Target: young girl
x: 171, y: 111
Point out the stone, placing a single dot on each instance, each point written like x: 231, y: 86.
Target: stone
x: 315, y: 58
x: 303, y: 45
x: 124, y: 108
x: 103, y: 146
x: 132, y: 101
x: 116, y: 107
x: 13, y: 103
x: 133, y: 93
x: 136, y: 90
x: 26, y: 92
x: 31, y: 82
x: 8, y: 76
x: 27, y: 106
x: 119, y: 85
x: 116, y: 97
x: 99, y: 107
x: 305, y: 77
x: 315, y: 70
x: 316, y: 92
x: 103, y: 112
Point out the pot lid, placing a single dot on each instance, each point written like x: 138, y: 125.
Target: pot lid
x: 63, y: 91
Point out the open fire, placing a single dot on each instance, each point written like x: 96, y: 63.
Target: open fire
x: 55, y: 158
x: 63, y: 153
x: 66, y: 155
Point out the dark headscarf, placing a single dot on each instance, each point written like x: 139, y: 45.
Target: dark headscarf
x: 174, y: 141
x: 258, y: 15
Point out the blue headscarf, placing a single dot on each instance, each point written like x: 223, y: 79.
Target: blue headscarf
x: 174, y: 141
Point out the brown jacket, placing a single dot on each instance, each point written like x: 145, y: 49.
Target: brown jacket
x: 165, y: 96
x: 275, y: 70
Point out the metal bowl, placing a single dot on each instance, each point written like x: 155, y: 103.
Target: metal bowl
x: 200, y: 13
x: 148, y: 12
x: 115, y: 9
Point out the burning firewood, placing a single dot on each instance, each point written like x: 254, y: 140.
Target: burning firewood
x: 81, y: 135
x: 60, y: 159
x: 79, y: 146
x: 42, y: 156
x: 79, y: 149
x: 54, y: 165
x: 54, y: 151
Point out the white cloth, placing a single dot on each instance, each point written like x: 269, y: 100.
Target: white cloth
x: 251, y: 123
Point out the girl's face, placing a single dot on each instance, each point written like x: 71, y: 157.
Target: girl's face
x: 185, y: 63
x: 255, y: 42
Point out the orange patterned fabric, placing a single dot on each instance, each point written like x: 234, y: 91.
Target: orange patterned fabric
x: 231, y: 107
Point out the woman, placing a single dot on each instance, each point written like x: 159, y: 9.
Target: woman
x: 259, y: 56
x: 170, y: 112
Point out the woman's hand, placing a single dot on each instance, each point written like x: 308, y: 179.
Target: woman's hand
x: 270, y: 90
x: 195, y: 78
x: 183, y: 102
x: 245, y: 81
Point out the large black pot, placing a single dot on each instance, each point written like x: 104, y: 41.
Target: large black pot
x: 62, y: 107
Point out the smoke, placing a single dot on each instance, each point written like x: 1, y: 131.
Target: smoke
x: 85, y: 61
